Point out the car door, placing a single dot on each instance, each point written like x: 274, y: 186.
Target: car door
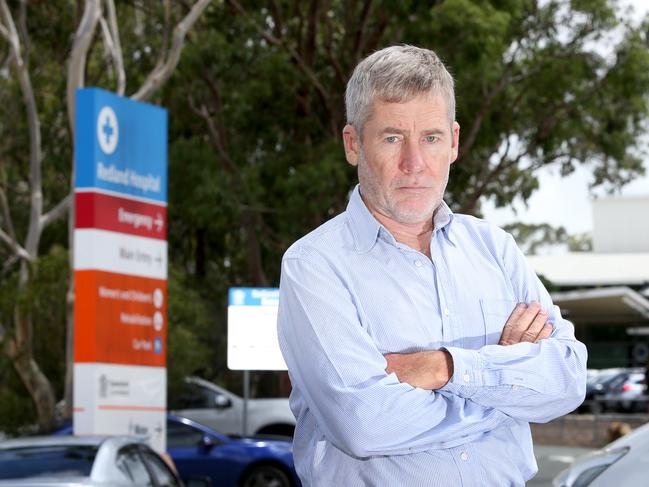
x: 159, y: 469
x: 209, y: 407
x: 197, y: 454
x: 130, y: 464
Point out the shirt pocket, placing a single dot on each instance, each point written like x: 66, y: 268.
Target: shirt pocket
x: 495, y: 313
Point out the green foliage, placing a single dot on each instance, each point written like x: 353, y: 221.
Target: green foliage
x: 531, y: 236
x: 256, y: 111
x: 44, y: 299
x: 188, y: 334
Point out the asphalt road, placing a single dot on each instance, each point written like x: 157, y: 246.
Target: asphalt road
x: 551, y: 460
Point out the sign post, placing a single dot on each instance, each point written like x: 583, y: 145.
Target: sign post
x: 252, y: 335
x: 120, y: 267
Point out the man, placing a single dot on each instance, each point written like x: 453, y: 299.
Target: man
x: 419, y: 343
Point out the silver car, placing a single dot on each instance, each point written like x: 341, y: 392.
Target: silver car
x: 623, y: 462
x: 83, y: 461
x: 206, y: 403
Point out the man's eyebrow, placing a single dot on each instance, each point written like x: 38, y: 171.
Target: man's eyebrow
x: 394, y: 130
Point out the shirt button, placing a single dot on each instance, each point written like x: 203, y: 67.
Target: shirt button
x: 446, y: 311
x: 466, y: 377
x: 514, y: 387
x: 464, y: 456
x: 418, y: 263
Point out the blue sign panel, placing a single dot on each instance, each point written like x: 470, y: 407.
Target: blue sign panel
x: 121, y: 145
x: 253, y: 296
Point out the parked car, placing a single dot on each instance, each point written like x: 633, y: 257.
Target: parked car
x: 597, y: 383
x: 84, y: 461
x: 598, y: 386
x: 221, y: 410
x: 626, y: 393
x: 199, y: 452
x: 230, y: 461
x: 623, y: 462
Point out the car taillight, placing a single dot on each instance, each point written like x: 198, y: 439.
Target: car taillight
x: 626, y: 387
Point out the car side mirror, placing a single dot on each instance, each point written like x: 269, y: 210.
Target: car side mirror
x: 207, y: 442
x: 222, y: 402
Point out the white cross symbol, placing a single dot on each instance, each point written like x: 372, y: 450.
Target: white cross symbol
x: 107, y: 130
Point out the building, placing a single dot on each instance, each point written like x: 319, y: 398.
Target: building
x: 605, y: 293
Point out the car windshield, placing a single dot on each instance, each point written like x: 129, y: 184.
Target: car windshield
x: 47, y: 461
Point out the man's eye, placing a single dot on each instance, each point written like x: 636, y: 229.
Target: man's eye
x: 431, y: 138
x: 392, y: 139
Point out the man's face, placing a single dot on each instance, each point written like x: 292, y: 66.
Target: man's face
x: 404, y: 157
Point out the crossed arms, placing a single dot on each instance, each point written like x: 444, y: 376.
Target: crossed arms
x: 370, y: 404
x: 433, y: 369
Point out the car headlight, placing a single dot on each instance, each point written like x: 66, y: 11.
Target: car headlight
x: 587, y: 468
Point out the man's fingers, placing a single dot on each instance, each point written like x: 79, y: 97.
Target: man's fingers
x: 524, y: 322
x: 546, y: 331
x: 532, y: 332
x: 511, y: 322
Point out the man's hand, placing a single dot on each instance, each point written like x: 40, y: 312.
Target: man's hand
x: 426, y: 370
x: 527, y: 323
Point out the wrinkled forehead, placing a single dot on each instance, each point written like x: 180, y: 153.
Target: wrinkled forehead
x: 433, y: 99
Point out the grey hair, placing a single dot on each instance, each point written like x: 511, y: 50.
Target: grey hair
x: 396, y: 74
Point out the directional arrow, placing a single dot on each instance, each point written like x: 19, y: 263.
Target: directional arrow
x: 159, y: 222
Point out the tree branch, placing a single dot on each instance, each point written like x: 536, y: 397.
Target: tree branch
x: 76, y: 67
x: 215, y: 136
x: 33, y: 124
x: 57, y: 212
x: 15, y: 246
x: 22, y: 28
x: 312, y: 77
x: 5, y: 33
x: 486, y: 104
x: 110, y: 33
x: 359, y: 41
x: 6, y: 214
x: 7, y: 265
x: 159, y: 75
x: 328, y: 45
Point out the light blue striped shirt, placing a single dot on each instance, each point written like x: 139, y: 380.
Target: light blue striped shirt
x: 350, y: 293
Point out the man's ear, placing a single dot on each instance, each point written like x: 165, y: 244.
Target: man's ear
x: 455, y: 142
x: 352, y: 141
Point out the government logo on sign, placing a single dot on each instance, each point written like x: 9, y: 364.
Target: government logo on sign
x: 107, y: 130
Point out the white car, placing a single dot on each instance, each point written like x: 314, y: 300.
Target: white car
x: 75, y: 461
x: 623, y: 463
x: 221, y: 410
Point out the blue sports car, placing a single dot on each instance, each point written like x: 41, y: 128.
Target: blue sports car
x: 200, y: 452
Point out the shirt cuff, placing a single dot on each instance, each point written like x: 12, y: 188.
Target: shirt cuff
x: 468, y: 371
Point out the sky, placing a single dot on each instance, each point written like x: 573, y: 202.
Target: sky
x: 566, y: 201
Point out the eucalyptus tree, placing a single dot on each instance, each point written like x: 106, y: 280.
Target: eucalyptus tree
x: 95, y: 56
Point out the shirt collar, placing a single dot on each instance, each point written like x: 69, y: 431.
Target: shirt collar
x: 365, y: 228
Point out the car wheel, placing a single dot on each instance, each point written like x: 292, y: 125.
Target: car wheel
x: 266, y: 476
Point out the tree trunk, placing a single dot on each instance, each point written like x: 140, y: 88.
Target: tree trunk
x: 22, y: 354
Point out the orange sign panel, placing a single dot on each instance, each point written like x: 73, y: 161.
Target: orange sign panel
x: 120, y: 319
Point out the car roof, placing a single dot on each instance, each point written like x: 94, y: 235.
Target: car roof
x: 206, y: 383
x: 30, y: 441
x: 199, y: 426
x: 101, y: 473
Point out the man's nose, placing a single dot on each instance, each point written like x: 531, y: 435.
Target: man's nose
x: 412, y: 160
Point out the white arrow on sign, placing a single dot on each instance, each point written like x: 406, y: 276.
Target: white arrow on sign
x: 159, y: 222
